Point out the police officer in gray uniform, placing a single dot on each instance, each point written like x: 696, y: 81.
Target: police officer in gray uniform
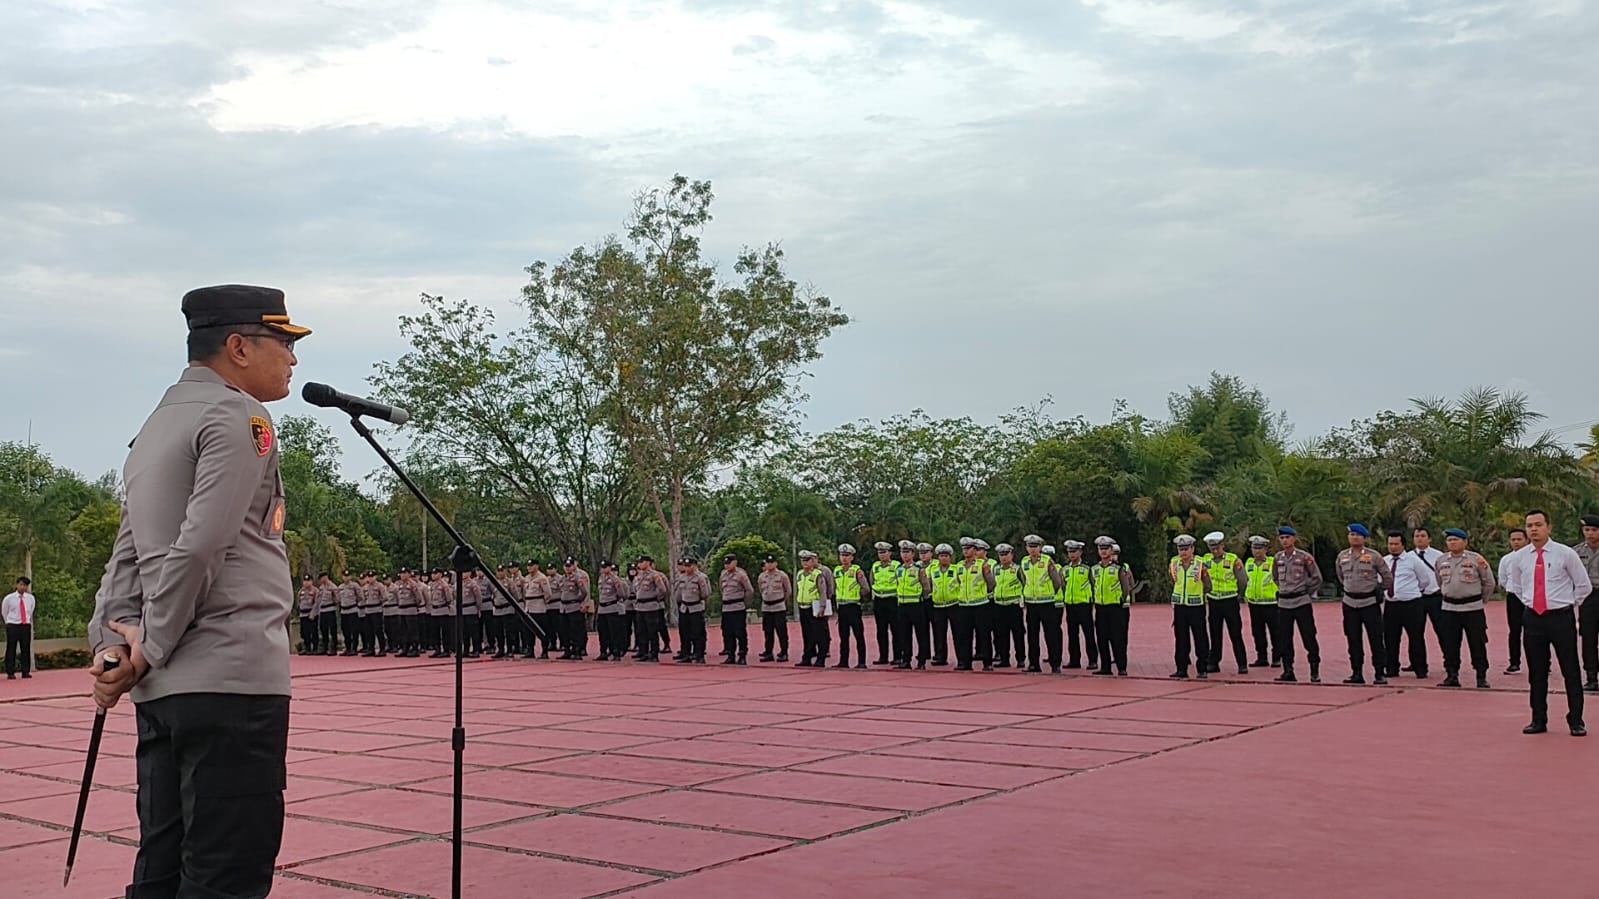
x: 574, y: 593
x: 307, y: 610
x: 690, y: 590
x: 736, y: 593
x: 371, y: 612
x: 610, y: 614
x: 193, y: 602
x: 389, y: 629
x: 409, y: 596
x: 649, y: 601
x: 327, y: 615
x: 349, y: 611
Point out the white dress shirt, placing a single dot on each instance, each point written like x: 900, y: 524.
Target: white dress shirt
x: 1412, y: 579
x: 1565, y: 581
x: 1506, y: 570
x: 11, y: 607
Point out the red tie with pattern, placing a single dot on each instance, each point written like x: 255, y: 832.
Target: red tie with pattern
x: 1540, y: 599
x: 22, y: 606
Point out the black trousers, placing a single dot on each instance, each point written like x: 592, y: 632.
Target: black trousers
x: 1513, y: 615
x: 1044, y: 617
x: 350, y: 623
x: 1305, y: 617
x: 663, y: 634
x: 328, y: 627
x: 1226, y: 613
x: 308, y: 633
x: 1434, y: 604
x: 1368, y: 619
x: 370, y: 623
x: 1080, y: 622
x: 809, y: 645
x: 608, y: 627
x: 643, y: 631
x: 942, y: 617
x: 774, y: 627
x: 212, y: 771
x: 1554, y: 630
x: 822, y: 634
x: 1009, y: 631
x: 691, y: 625
x: 388, y: 632
x: 1409, y: 618
x: 1263, y: 626
x: 885, y: 610
x: 576, y: 635
x: 19, y: 648
x: 849, y: 622
x: 629, y: 628
x: 1188, y: 624
x: 427, y: 632
x: 1588, y: 633
x: 411, y: 632
x: 444, y: 632
x: 1474, y: 626
x: 911, y: 621
x: 735, y: 633
x: 1110, y: 626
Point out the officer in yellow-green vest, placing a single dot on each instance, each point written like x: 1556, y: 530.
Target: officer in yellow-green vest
x: 1226, y: 574
x: 1190, y: 584
x: 945, y: 595
x: 1077, y: 595
x: 885, y: 600
x: 852, y: 584
x: 911, y: 587
x: 1260, y: 594
x: 1041, y: 584
x: 1113, y: 595
x: 1008, y: 628
x: 973, y: 619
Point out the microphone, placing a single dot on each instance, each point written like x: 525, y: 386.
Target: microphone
x: 323, y: 395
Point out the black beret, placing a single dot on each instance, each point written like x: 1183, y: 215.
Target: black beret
x: 729, y: 558
x: 606, y: 563
x: 646, y: 557
x: 239, y: 304
x: 570, y: 560
x: 769, y: 558
x: 1590, y: 521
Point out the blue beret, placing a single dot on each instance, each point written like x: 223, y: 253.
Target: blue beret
x: 1358, y: 528
x: 1287, y: 531
x: 1456, y: 532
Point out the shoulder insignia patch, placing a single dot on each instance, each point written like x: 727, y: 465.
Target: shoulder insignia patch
x: 261, y: 433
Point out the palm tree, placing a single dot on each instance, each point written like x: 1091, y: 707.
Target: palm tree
x: 794, y: 512
x: 1309, y: 491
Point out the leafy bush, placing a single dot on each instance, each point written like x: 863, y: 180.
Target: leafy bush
x: 64, y: 658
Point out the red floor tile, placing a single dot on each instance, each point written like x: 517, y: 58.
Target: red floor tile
x: 347, y: 741
x: 826, y: 741
x: 642, y: 769
x: 859, y: 791
x: 23, y: 786
x: 1014, y: 702
x: 878, y: 728
x: 990, y: 774
x: 481, y: 753
x: 109, y: 770
x: 636, y: 843
x: 368, y: 769
x: 751, y: 814
x: 940, y: 716
x: 1187, y: 711
x: 14, y: 833
x: 424, y: 869
x: 107, y: 810
x: 409, y: 810
x: 563, y: 739
x: 101, y: 869
x: 732, y: 753
x: 647, y: 727
x: 305, y: 840
x: 1065, y: 759
x: 537, y: 788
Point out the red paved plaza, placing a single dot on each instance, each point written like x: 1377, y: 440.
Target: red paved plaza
x: 591, y: 779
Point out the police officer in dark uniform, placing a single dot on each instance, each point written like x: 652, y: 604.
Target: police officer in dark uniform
x: 193, y: 602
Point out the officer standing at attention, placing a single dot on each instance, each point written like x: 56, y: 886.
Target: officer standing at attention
x: 1513, y: 604
x: 1190, y: 584
x: 1041, y: 582
x: 946, y: 593
x: 649, y: 597
x: 1260, y: 594
x: 1405, y: 612
x: 1008, y: 629
x: 1551, y: 580
x: 1588, y: 606
x: 815, y: 592
x: 307, y: 609
x: 691, y: 590
x: 911, y: 587
x: 389, y: 627
x: 1113, y: 596
x: 1466, y: 582
x: 1226, y: 573
x: 1298, y: 581
x: 1077, y: 598
x: 472, y: 599
x: 349, y: 593
x: 776, y: 590
x: 736, y: 593
x: 885, y: 600
x: 852, y: 584
x: 371, y: 613
x: 441, y: 601
x: 1364, y: 577
x: 535, y: 602
x: 574, y: 593
x: 609, y: 614
x: 1429, y: 555
x: 327, y: 615
x: 504, y: 616
x: 974, y: 623
x: 193, y: 602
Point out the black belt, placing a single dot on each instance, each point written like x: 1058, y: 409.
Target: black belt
x: 1294, y: 595
x: 1353, y: 595
x: 1449, y: 600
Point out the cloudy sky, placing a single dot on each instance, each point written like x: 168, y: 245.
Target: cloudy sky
x: 1347, y: 203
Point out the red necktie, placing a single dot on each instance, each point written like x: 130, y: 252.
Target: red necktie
x: 22, y: 606
x: 1540, y: 599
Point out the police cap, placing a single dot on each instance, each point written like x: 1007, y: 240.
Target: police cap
x: 239, y: 304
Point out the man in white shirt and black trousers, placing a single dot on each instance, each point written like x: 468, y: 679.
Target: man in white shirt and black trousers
x: 1514, y: 610
x: 1434, y: 600
x: 1406, y: 612
x: 1550, y: 579
x: 17, y: 609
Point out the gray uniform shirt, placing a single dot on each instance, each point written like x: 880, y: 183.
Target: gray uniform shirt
x: 371, y: 599
x: 327, y: 599
x: 736, y: 589
x: 691, y: 591
x: 1364, y: 574
x: 776, y: 589
x: 391, y: 600
x: 513, y: 586
x: 441, y: 595
x: 471, y: 595
x: 199, y: 559
x: 574, y: 590
x: 613, y: 594
x: 649, y: 591
x: 307, y: 601
x: 349, y: 597
x: 1464, y: 580
x: 1298, y: 578
x: 535, y: 592
x: 409, y: 595
x: 1590, y: 561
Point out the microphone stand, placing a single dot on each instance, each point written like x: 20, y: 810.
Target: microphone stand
x: 463, y: 558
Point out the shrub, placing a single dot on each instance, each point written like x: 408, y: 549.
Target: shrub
x: 64, y: 658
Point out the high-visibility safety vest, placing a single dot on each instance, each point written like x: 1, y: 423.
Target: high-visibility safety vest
x: 1108, y: 585
x: 805, y: 591
x: 1187, y: 585
x: 884, y: 574
x: 1037, y: 586
x: 846, y: 584
x: 1259, y: 587
x: 973, y: 588
x: 909, y: 584
x: 1223, y: 576
x: 1007, y: 585
x: 1078, y: 587
x: 946, y: 584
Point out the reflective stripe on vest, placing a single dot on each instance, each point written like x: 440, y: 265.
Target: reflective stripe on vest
x: 1007, y: 585
x: 909, y: 584
x: 883, y: 576
x: 805, y: 590
x: 846, y: 584
x: 1223, y: 576
x: 946, y: 584
x: 1037, y: 586
x: 1187, y: 584
x: 1078, y: 578
x: 973, y: 588
x: 1260, y: 588
x: 1107, y: 585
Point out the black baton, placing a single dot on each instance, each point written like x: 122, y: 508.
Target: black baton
x: 108, y: 661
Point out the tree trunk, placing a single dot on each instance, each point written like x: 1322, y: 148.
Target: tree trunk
x: 27, y: 561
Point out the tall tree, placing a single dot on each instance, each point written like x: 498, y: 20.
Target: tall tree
x: 1232, y: 422
x: 693, y: 371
